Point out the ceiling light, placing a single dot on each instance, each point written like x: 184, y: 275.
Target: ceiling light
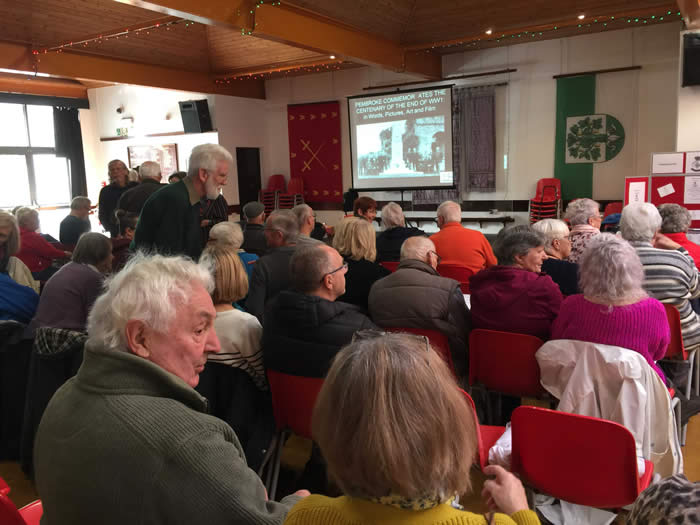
x: 489, y: 31
x: 581, y: 17
x: 332, y: 57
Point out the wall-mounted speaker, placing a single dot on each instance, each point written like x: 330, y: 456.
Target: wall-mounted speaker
x: 195, y: 116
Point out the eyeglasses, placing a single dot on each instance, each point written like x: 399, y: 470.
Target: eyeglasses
x: 343, y: 267
x: 363, y: 335
x: 439, y: 259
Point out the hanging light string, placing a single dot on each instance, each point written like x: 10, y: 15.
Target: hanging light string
x: 320, y: 67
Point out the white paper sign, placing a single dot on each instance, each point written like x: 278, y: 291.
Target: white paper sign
x: 667, y: 163
x: 637, y: 192
x: 666, y: 190
x: 692, y: 190
x: 692, y: 162
x: 695, y: 215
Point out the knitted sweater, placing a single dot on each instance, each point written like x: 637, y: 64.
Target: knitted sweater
x: 35, y: 251
x: 671, y: 277
x: 641, y: 326
x: 321, y: 510
x: 124, y: 441
x: 469, y: 248
x: 682, y: 239
x: 580, y: 235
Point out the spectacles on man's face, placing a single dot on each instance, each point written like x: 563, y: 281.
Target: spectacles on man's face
x: 439, y: 259
x: 343, y: 267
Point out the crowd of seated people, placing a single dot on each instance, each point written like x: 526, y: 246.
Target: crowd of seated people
x: 585, y: 220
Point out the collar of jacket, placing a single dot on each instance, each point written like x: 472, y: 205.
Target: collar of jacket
x: 191, y: 192
x: 112, y: 372
x: 415, y: 264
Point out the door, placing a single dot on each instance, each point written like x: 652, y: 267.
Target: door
x: 249, y: 181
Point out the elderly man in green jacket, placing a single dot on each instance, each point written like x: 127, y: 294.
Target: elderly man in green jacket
x: 128, y: 439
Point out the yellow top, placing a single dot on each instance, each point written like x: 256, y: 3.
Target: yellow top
x: 321, y: 510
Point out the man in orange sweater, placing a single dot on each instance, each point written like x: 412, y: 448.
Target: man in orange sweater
x: 458, y: 245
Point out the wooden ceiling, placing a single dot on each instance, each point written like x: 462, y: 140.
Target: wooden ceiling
x: 231, y: 46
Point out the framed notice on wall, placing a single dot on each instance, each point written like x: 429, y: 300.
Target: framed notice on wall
x: 636, y: 189
x: 165, y: 155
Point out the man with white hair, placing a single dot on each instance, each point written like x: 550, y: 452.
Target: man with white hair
x: 128, y: 438
x: 459, y: 245
x: 395, y: 233
x: 415, y: 296
x: 77, y: 222
x: 670, y: 274
x: 307, y: 221
x: 133, y: 199
x: 170, y: 221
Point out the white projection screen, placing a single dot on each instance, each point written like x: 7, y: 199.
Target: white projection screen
x: 402, y: 140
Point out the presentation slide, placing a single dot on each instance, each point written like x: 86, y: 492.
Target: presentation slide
x: 402, y: 140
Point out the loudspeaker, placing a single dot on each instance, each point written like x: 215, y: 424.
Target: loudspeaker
x: 195, y: 116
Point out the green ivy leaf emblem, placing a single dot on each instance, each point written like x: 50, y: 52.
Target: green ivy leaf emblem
x: 594, y: 138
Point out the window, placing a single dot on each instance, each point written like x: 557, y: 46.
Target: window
x: 30, y: 171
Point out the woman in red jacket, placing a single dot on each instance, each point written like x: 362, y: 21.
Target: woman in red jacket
x: 35, y: 251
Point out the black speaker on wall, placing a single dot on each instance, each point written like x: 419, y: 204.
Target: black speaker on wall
x: 195, y: 116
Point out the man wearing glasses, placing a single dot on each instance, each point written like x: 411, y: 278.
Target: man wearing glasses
x: 415, y: 296
x: 305, y: 327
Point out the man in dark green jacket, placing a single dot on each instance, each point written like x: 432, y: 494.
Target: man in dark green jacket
x: 170, y: 222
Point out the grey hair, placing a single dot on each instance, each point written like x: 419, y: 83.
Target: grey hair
x: 392, y: 216
x: 150, y: 170
x: 308, y: 266
x: 13, y: 242
x: 580, y: 210
x: 551, y: 229
x: 302, y: 212
x: 518, y: 240
x: 674, y: 218
x: 149, y: 288
x: 79, y: 203
x: 640, y: 221
x: 92, y: 248
x: 450, y: 211
x: 416, y: 248
x: 285, y: 222
x: 227, y: 234
x: 24, y: 215
x: 610, y: 270
x: 206, y: 156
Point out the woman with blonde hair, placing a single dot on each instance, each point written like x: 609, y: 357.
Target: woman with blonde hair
x: 358, y: 246
x: 584, y: 217
x: 400, y: 458
x: 9, y: 246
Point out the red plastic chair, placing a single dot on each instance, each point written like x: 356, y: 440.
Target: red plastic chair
x: 612, y: 207
x: 487, y: 435
x: 580, y: 459
x: 295, y: 186
x: 437, y: 340
x: 9, y: 514
x: 277, y: 183
x: 390, y: 265
x: 548, y: 190
x: 293, y: 400
x: 458, y: 273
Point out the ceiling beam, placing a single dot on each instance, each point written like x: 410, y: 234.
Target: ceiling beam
x: 295, y: 27
x: 72, y: 64
x: 32, y: 85
x: 690, y: 9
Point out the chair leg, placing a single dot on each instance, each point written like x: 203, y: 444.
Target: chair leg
x: 272, y: 492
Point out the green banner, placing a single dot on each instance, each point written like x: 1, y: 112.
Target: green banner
x: 575, y: 96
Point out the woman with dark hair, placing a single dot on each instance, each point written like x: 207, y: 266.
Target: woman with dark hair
x: 400, y: 459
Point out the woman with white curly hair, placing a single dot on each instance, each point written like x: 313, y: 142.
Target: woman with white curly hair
x: 675, y: 221
x: 614, y: 309
x: 395, y: 232
x: 584, y: 217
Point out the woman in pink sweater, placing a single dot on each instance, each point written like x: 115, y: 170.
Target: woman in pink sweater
x: 614, y: 309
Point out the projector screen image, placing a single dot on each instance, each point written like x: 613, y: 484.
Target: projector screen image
x: 402, y: 139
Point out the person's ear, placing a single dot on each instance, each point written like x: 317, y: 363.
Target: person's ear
x: 136, y: 333
x: 519, y: 259
x: 202, y: 175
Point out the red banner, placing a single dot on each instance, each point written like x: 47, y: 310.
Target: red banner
x: 315, y: 150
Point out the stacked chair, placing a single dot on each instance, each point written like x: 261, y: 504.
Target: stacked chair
x: 279, y: 195
x: 294, y: 194
x: 547, y: 201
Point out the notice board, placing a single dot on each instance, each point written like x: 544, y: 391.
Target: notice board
x: 678, y: 189
x: 165, y: 155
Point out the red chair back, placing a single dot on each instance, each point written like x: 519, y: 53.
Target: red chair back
x: 390, y: 265
x: 580, y: 459
x: 612, y: 207
x: 458, y: 273
x: 276, y: 183
x: 293, y: 400
x: 296, y: 185
x: 437, y: 340
x: 505, y: 362
x: 9, y: 515
x: 675, y: 347
x: 486, y: 435
x: 548, y: 190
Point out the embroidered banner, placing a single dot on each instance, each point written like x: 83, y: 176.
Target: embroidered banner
x: 315, y: 150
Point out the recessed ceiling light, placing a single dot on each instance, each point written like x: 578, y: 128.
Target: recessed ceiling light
x: 489, y: 31
x: 332, y: 57
x: 581, y: 17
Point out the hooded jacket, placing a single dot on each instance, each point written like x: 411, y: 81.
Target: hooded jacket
x: 513, y: 299
x: 302, y: 333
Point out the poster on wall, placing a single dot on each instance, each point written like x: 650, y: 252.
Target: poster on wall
x: 667, y: 163
x: 165, y: 155
x: 636, y: 189
x: 692, y: 162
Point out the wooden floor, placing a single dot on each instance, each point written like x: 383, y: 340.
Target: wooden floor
x: 23, y: 491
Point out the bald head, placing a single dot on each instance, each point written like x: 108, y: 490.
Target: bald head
x: 449, y: 211
x: 419, y: 248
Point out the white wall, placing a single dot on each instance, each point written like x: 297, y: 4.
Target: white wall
x: 688, y: 131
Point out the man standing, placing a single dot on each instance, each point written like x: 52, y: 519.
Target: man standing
x: 170, y: 220
x: 415, y: 296
x: 133, y: 199
x: 271, y: 272
x: 77, y: 222
x: 128, y: 438
x: 254, y: 231
x: 305, y: 327
x: 458, y: 245
x: 109, y: 195
x: 307, y: 221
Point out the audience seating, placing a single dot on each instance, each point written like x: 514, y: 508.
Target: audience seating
x: 579, y: 459
x: 269, y: 200
x: 459, y: 273
x: 612, y: 207
x: 276, y: 183
x: 390, y: 265
x: 438, y: 341
x: 10, y: 515
x: 293, y: 400
x: 487, y: 435
x: 547, y: 201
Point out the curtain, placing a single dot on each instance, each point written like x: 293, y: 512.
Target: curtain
x: 473, y: 145
x: 69, y: 144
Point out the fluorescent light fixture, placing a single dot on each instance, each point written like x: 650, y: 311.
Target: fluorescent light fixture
x: 489, y: 31
x: 19, y: 72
